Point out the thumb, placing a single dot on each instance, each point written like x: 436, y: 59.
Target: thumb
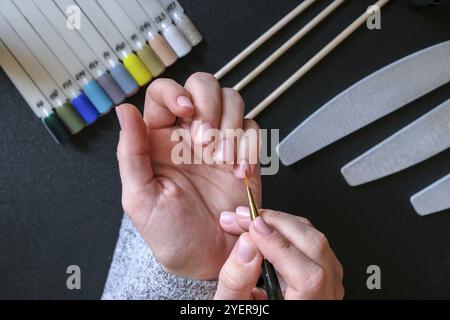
x: 241, y: 271
x: 133, y: 155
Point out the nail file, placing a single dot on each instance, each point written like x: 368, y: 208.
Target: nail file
x: 19, y: 28
x: 35, y: 99
x: 39, y: 75
x: 149, y: 31
x: 417, y: 142
x: 101, y: 48
x: 81, y: 49
x: 171, y: 33
x: 116, y: 41
x: 435, y: 198
x: 132, y: 35
x: 64, y: 54
x: 182, y: 21
x: 372, y: 98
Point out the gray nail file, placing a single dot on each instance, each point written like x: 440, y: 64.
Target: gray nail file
x: 370, y: 99
x: 417, y: 142
x: 435, y: 198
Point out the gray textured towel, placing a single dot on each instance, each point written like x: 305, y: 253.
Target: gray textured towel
x: 135, y: 274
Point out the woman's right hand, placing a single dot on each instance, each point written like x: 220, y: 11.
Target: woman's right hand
x: 306, y: 265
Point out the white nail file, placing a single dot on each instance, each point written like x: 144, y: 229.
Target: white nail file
x: 372, y: 98
x: 435, y: 198
x: 417, y: 142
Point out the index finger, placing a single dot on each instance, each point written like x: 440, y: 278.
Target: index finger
x: 165, y: 101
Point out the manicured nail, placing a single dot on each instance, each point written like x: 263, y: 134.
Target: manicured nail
x: 184, y: 102
x: 244, y: 168
x: 245, y: 252
x: 227, y: 217
x: 119, y: 113
x: 262, y: 227
x: 243, y: 212
x: 203, y: 135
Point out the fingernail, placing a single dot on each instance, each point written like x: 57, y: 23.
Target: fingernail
x: 243, y: 169
x: 184, y: 102
x: 262, y: 227
x: 243, y: 212
x: 119, y: 113
x: 227, y: 217
x: 203, y: 135
x: 245, y: 252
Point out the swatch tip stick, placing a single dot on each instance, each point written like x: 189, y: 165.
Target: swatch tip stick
x: 289, y: 44
x: 33, y: 96
x: 87, y: 57
x: 263, y: 38
x: 300, y: 73
x: 115, y: 39
x: 129, y: 31
x: 102, y: 49
x: 164, y: 23
x: 271, y: 282
x: 36, y: 72
x: 65, y: 55
x: 149, y: 31
x: 182, y: 21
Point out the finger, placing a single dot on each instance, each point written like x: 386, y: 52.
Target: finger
x: 206, y: 96
x: 244, y: 220
x: 228, y: 222
x: 165, y: 101
x: 232, y: 110
x: 307, y: 239
x: 310, y: 241
x: 247, y: 150
x: 230, y: 126
x: 133, y: 154
x: 240, y: 272
x: 302, y: 275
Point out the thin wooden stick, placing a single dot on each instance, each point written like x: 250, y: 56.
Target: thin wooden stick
x: 313, y: 62
x: 262, y: 39
x: 289, y: 44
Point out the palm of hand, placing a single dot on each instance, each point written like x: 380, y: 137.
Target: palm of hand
x: 179, y: 216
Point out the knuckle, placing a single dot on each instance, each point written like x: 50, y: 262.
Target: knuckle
x: 230, y: 280
x: 153, y: 86
x: 161, y: 86
x: 340, y: 292
x: 306, y: 221
x: 320, y: 242
x: 315, y: 281
x: 270, y: 214
x: 284, y: 246
x: 202, y: 77
x: 234, y: 97
x: 250, y: 123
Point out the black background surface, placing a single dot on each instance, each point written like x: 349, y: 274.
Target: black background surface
x: 61, y: 205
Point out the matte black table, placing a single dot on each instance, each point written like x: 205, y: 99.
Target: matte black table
x: 61, y: 205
